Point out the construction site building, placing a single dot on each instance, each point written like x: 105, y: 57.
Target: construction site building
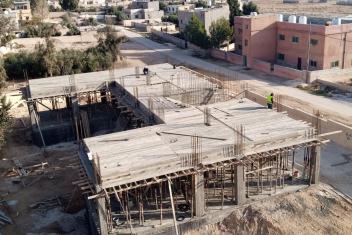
x: 184, y: 146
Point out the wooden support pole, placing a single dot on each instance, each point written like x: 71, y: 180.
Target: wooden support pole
x: 161, y: 203
x: 172, y: 206
x: 222, y: 188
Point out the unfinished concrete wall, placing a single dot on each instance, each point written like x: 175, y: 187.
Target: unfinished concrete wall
x: 179, y: 42
x: 261, y: 66
x: 289, y: 73
x: 228, y: 56
x: 336, y: 73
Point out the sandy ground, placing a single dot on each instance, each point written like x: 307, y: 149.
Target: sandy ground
x: 54, y: 181
x: 315, y: 210
x: 329, y: 9
x: 81, y: 42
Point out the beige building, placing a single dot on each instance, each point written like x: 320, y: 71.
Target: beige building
x: 205, y: 15
x: 144, y: 9
x: 173, y: 9
x: 22, y: 9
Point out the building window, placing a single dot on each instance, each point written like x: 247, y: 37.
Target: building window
x: 312, y: 63
x: 313, y: 42
x: 280, y: 56
x: 335, y: 64
x: 240, y: 47
x: 281, y: 37
x: 239, y: 30
x: 245, y: 42
x: 246, y: 26
x: 295, y: 39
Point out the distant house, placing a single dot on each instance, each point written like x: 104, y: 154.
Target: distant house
x: 22, y: 9
x: 91, y: 3
x: 144, y: 9
x: 205, y: 15
x: 173, y: 9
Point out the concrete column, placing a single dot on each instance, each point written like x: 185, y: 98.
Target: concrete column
x: 316, y: 164
x: 240, y: 188
x: 31, y: 111
x: 102, y: 216
x: 198, y: 194
x: 75, y: 114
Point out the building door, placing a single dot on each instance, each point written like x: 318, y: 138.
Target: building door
x: 299, y: 63
x: 245, y: 60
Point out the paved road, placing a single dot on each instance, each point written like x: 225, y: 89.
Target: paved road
x: 333, y: 108
x: 336, y: 162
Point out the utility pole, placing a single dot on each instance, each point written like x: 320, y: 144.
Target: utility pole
x: 308, y: 52
x: 344, y: 50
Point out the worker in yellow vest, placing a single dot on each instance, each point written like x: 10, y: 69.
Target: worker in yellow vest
x: 270, y: 100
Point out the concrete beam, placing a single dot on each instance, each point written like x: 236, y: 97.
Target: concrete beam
x: 240, y: 188
x: 198, y: 194
x: 316, y: 164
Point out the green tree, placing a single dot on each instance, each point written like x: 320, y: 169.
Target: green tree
x: 220, y: 31
x: 3, y: 75
x: 118, y: 12
x: 5, y: 3
x: 195, y: 32
x: 69, y: 5
x: 173, y: 18
x: 235, y: 10
x: 202, y: 3
x: 120, y: 16
x: 4, y: 106
x: 7, y: 27
x: 249, y: 7
x: 47, y: 55
x: 40, y: 9
x: 109, y: 42
x: 162, y: 6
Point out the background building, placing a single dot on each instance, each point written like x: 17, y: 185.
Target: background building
x: 92, y: 3
x: 294, y: 43
x: 144, y: 9
x: 206, y: 15
x: 23, y: 9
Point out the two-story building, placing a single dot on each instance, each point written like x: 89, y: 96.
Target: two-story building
x: 22, y: 9
x: 205, y: 15
x: 173, y: 9
x: 293, y: 43
x: 144, y: 9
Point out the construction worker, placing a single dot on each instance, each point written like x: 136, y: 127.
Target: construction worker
x: 270, y: 100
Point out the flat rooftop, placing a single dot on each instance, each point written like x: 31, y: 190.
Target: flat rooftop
x: 154, y: 151
x: 84, y: 82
